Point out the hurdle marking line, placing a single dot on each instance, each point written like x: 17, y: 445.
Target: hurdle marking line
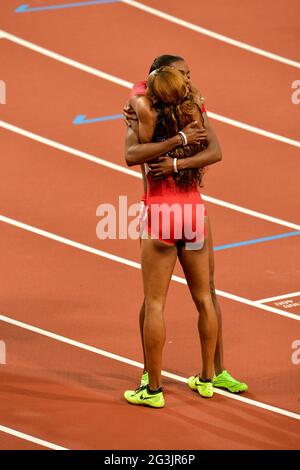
x: 279, y: 297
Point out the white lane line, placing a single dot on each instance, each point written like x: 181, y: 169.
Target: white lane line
x: 278, y: 297
x: 127, y: 171
x: 255, y: 130
x: 126, y: 84
x: 242, y: 300
x: 67, y: 241
x: 125, y: 360
x: 134, y: 264
x: 211, y: 34
x: 66, y: 60
x: 29, y: 438
x: 250, y: 212
x: 70, y: 150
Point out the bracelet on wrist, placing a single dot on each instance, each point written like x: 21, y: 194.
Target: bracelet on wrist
x: 183, y: 138
x: 175, y: 165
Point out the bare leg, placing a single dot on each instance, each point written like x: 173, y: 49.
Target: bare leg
x: 141, y: 320
x: 219, y: 356
x: 142, y: 309
x: 158, y: 261
x: 196, y: 268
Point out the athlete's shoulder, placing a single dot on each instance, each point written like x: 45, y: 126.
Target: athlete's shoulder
x: 199, y: 98
x: 143, y: 107
x: 139, y: 88
x: 140, y: 102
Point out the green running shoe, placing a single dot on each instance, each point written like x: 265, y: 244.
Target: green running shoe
x: 225, y: 380
x: 144, y: 379
x: 205, y: 389
x: 141, y: 396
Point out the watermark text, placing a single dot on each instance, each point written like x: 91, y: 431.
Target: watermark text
x: 295, y: 358
x: 295, y: 97
x: 2, y: 352
x: 163, y: 221
x: 2, y: 92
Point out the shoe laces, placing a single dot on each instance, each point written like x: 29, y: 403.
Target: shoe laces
x: 229, y: 376
x: 207, y: 384
x: 139, y: 389
x: 200, y: 383
x: 224, y: 375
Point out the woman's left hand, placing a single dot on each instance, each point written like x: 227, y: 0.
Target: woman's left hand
x: 162, y: 167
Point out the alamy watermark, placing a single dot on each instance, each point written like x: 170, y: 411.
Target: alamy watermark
x: 295, y: 358
x: 2, y: 92
x: 295, y: 97
x: 160, y: 221
x: 2, y: 352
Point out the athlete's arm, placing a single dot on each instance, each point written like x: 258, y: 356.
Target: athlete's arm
x: 212, y: 154
x: 137, y: 153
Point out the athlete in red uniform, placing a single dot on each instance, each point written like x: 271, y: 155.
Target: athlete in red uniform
x: 173, y: 108
x: 138, y: 153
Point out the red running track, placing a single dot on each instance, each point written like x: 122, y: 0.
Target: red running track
x: 66, y: 291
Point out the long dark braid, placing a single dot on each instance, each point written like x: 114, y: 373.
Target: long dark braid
x: 170, y: 119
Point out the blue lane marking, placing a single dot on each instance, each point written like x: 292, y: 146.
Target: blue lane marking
x: 81, y: 119
x: 26, y: 8
x: 257, y: 240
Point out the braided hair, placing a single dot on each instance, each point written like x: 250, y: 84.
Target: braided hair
x: 175, y: 108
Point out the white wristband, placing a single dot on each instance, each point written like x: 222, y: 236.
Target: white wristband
x: 184, y: 138
x: 175, y: 165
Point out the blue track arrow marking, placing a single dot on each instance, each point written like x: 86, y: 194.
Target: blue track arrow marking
x: 81, y: 119
x: 26, y: 8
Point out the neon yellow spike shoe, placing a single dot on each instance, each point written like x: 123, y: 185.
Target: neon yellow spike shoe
x: 141, y: 396
x: 225, y: 380
x: 205, y: 389
x: 144, y: 379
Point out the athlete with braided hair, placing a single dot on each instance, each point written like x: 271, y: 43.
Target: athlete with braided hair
x: 173, y: 107
x: 137, y: 153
